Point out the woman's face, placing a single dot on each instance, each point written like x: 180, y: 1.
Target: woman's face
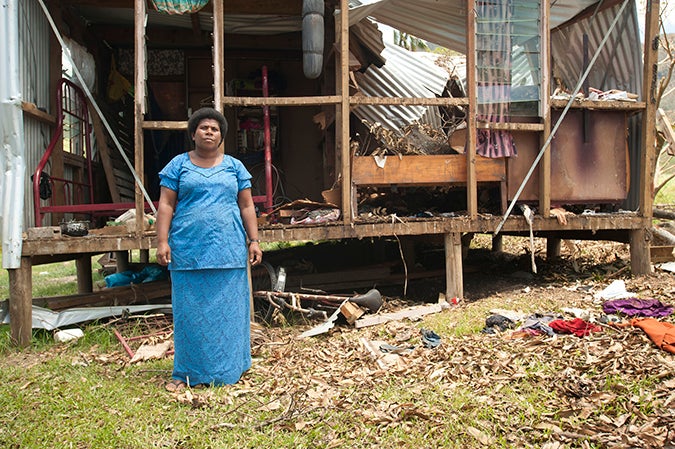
x: 207, y: 135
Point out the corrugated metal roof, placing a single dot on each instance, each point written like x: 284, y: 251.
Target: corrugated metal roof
x: 404, y: 75
x: 443, y: 22
x: 619, y: 65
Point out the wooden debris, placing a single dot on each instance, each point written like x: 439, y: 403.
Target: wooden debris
x: 351, y: 311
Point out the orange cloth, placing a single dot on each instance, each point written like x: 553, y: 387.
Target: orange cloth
x: 660, y: 332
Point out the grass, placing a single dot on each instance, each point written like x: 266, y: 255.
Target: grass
x: 303, y: 394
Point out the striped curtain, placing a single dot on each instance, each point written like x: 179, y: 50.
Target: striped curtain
x: 493, y: 75
x: 179, y: 6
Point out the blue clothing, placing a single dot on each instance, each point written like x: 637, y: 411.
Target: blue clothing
x: 210, y: 291
x: 212, y: 336
x: 206, y: 229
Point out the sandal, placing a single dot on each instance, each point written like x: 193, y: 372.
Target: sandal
x: 175, y: 385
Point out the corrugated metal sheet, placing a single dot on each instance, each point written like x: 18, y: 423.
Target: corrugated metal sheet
x: 619, y: 65
x: 443, y: 22
x: 404, y: 75
x: 12, y: 167
x: 34, y: 34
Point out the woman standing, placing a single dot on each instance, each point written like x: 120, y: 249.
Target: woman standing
x: 206, y: 233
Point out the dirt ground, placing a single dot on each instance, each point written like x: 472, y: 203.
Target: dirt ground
x: 598, y: 385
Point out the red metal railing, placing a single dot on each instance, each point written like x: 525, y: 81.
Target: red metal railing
x: 73, y: 129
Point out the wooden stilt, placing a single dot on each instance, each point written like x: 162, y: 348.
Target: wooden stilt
x: 83, y: 267
x: 498, y: 243
x: 640, y: 257
x: 122, y: 259
x: 20, y: 302
x: 454, y: 279
x: 553, y: 248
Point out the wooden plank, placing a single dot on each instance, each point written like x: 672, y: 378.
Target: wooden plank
x: 104, y: 153
x: 120, y: 296
x: 164, y: 125
x: 283, y: 101
x: 660, y: 254
x: 412, y: 312
x: 454, y: 276
x: 511, y: 126
x: 601, y: 105
x: 20, y: 306
x: 408, y: 101
x: 32, y: 110
x: 425, y: 170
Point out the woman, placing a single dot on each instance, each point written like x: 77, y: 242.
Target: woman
x: 206, y: 233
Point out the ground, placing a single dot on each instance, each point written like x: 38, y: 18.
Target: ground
x: 613, y: 388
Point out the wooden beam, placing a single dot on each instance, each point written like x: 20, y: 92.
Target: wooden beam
x: 20, y: 306
x: 648, y: 144
x: 511, y: 126
x: 118, y: 296
x: 407, y: 101
x: 32, y: 110
x: 283, y: 101
x: 599, y: 105
x: 454, y: 277
x: 104, y: 154
x: 545, y: 110
x: 472, y: 138
x: 164, y: 125
x: 348, y: 196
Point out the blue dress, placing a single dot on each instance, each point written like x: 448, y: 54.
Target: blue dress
x: 209, y: 284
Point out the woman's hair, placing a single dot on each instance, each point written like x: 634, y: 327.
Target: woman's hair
x: 207, y: 113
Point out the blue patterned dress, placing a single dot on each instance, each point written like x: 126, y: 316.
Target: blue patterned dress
x: 210, y: 292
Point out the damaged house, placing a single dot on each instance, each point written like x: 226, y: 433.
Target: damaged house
x: 546, y: 107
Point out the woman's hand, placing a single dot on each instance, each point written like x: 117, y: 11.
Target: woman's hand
x: 254, y: 253
x: 163, y: 253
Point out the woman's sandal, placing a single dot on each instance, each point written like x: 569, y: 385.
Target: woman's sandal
x: 175, y: 385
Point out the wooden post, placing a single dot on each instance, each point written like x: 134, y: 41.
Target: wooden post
x: 497, y: 243
x: 342, y: 126
x: 104, y: 154
x: 552, y: 248
x: 20, y: 303
x: 122, y: 260
x: 648, y: 150
x: 471, y: 135
x: 454, y: 279
x: 83, y: 268
x: 545, y: 163
x: 139, y: 106
x: 144, y: 256
x: 640, y: 257
x: 55, y: 74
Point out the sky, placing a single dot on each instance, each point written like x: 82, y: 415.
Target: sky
x: 667, y: 14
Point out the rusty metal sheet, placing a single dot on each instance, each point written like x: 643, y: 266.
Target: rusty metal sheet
x: 591, y: 171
